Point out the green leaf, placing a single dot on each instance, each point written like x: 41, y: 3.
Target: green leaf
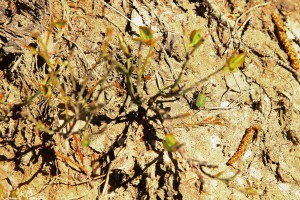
x: 235, y: 61
x: 200, y: 102
x: 125, y: 48
x: 195, y: 38
x: 146, y: 33
x: 146, y: 36
x: 170, y: 143
x: 201, y: 99
x: 60, y: 24
x: 86, y: 141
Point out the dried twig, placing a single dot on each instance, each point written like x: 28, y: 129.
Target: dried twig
x: 78, y: 148
x: 105, y: 185
x: 82, y: 168
x: 117, y: 11
x: 248, y: 11
x: 215, y: 8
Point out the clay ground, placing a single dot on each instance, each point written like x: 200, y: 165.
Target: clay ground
x: 125, y: 158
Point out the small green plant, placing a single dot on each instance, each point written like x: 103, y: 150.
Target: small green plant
x: 78, y: 105
x: 146, y: 39
x: 80, y: 102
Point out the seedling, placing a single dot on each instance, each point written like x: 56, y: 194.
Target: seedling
x: 84, y: 102
x: 147, y: 39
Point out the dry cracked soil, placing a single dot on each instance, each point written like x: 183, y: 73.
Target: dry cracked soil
x: 69, y: 129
